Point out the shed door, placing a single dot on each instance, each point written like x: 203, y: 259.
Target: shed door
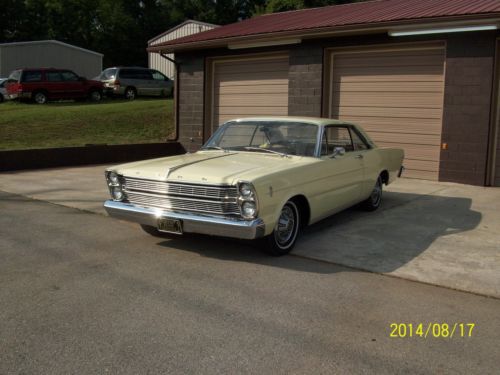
x: 249, y: 87
x: 397, y: 97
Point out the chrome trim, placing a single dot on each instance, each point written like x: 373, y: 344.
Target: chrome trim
x: 191, y: 223
x: 221, y: 200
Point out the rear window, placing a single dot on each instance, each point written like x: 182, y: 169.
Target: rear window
x: 32, y: 76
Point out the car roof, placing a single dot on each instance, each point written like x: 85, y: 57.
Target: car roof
x: 319, y: 121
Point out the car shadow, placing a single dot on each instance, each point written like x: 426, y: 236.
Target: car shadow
x: 380, y: 241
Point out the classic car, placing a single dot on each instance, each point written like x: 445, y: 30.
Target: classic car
x: 256, y: 178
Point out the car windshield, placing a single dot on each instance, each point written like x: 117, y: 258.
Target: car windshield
x: 283, y: 137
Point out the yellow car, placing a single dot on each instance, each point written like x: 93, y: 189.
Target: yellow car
x: 262, y: 177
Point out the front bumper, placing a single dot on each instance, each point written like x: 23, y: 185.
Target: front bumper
x: 191, y: 223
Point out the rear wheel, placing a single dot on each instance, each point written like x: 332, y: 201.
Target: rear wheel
x: 285, y: 233
x: 130, y: 93
x: 375, y: 198
x: 40, y: 97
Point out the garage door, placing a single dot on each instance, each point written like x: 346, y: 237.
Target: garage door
x: 249, y: 87
x: 397, y: 96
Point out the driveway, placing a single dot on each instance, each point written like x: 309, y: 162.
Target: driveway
x: 438, y: 233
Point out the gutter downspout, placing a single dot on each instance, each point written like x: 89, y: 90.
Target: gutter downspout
x: 176, y: 95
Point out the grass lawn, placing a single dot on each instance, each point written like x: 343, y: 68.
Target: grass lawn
x: 24, y: 126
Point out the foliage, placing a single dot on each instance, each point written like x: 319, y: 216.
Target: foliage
x: 24, y: 126
x: 120, y: 29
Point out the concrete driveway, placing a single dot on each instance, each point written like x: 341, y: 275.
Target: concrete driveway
x: 438, y: 233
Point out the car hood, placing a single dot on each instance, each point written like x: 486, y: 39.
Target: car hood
x: 211, y: 167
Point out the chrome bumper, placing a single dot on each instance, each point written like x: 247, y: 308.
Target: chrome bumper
x: 191, y: 223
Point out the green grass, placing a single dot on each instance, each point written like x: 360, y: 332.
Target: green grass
x: 27, y: 126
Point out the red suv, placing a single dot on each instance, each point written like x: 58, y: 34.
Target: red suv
x: 42, y: 85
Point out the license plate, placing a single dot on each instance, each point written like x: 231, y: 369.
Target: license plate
x: 170, y: 225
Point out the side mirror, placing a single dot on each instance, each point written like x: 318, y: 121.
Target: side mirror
x: 338, y: 151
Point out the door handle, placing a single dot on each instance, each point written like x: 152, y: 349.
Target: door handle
x: 359, y: 156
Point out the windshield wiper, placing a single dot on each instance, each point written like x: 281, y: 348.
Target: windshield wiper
x: 265, y: 149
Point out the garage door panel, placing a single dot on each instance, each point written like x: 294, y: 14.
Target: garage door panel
x: 251, y: 82
x: 263, y: 66
x: 397, y: 96
x: 251, y: 76
x: 385, y: 86
x: 387, y: 112
x: 252, y: 111
x: 381, y: 99
x: 255, y: 100
x: 397, y: 124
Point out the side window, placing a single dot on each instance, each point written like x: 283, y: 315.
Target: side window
x: 157, y: 76
x: 336, y: 136
x: 358, y: 143
x: 53, y: 76
x: 69, y: 76
x: 145, y: 74
x: 32, y: 76
x: 127, y: 73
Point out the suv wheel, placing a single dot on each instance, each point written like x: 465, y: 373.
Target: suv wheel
x: 130, y: 93
x: 40, y: 97
x: 95, y: 96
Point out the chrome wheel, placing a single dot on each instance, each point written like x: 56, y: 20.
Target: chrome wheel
x: 40, y: 98
x: 130, y: 93
x: 283, y: 238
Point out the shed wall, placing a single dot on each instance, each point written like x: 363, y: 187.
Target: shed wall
x: 163, y: 65
x: 49, y: 55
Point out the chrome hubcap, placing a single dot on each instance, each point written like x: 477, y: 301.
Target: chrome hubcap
x: 130, y: 94
x: 284, y: 230
x: 40, y: 98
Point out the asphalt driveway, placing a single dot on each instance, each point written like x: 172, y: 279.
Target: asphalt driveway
x: 439, y: 233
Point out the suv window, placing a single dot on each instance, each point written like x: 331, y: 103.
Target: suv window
x: 69, y: 76
x: 53, y: 76
x: 159, y: 76
x: 32, y: 76
x: 135, y: 74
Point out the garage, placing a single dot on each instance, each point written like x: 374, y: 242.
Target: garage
x: 396, y: 94
x: 249, y: 86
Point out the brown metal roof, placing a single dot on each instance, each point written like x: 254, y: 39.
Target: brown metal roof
x: 341, y: 17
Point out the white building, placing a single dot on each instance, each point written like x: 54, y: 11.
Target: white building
x: 49, y: 54
x: 186, y: 28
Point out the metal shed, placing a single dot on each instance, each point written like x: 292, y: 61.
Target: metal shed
x: 49, y: 54
x: 188, y: 27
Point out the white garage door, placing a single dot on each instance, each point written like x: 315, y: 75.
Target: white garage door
x: 249, y: 87
x: 397, y: 96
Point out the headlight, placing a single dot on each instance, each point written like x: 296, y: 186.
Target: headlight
x: 246, y: 190
x: 247, y: 199
x: 115, y: 186
x: 113, y: 177
x: 248, y: 209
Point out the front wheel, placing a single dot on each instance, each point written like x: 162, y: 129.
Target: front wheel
x: 373, y: 201
x: 283, y: 238
x: 95, y: 96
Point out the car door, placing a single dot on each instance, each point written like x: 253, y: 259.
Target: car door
x: 342, y: 170
x: 370, y: 159
x: 54, y: 84
x: 163, y: 85
x: 74, y: 87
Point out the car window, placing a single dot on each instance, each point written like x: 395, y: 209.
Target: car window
x: 358, y: 143
x: 109, y: 74
x: 336, y: 136
x: 135, y: 74
x: 53, y: 76
x: 32, y: 76
x: 158, y: 76
x: 69, y: 76
x: 144, y: 74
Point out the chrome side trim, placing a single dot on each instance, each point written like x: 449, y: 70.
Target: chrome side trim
x: 192, y: 223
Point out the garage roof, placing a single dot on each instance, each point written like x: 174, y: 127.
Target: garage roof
x: 339, y: 18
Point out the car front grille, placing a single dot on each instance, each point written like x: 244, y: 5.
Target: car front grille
x: 197, y: 198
